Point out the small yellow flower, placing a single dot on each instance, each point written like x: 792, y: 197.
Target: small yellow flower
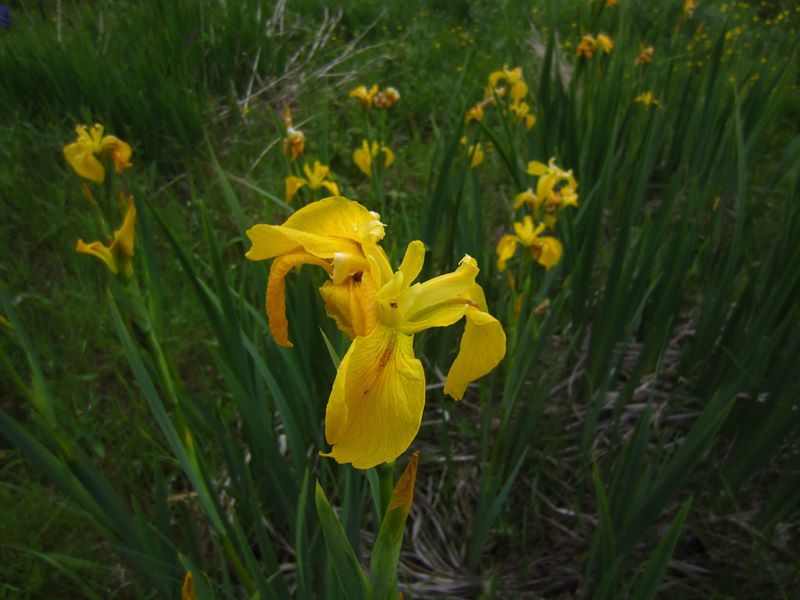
x: 586, y: 46
x: 363, y: 156
x: 91, y: 143
x: 647, y: 98
x: 605, y: 43
x: 316, y: 178
x: 545, y: 250
x: 689, y: 6
x: 555, y: 188
x: 118, y: 256
x: 476, y: 155
x: 365, y: 95
x: 645, y: 55
x: 530, y: 122
x: 386, y: 98
x: 294, y: 144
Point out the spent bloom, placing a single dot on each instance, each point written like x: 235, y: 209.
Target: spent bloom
x: 118, y: 255
x: 294, y: 144
x: 363, y: 156
x: 545, y: 250
x: 316, y: 177
x: 645, y: 55
x: 386, y: 98
x: 82, y: 154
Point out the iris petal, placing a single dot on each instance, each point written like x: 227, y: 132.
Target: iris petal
x: 375, y: 407
x: 483, y: 346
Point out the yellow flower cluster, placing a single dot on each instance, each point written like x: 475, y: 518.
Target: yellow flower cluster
x: 375, y: 407
x: 555, y: 190
x: 502, y: 82
x: 84, y: 155
x: 363, y: 156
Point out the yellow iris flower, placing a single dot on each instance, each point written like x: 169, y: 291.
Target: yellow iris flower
x: 513, y: 77
x: 605, y: 43
x: 118, y: 256
x: 333, y: 234
x: 545, y: 250
x: 363, y: 156
x: 647, y: 98
x: 376, y: 404
x: 365, y: 95
x: 375, y: 407
x: 555, y: 188
x: 82, y: 153
x: 586, y: 46
x: 316, y: 178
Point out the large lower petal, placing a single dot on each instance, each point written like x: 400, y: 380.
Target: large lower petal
x: 483, y: 346
x: 375, y: 408
x: 276, y: 291
x: 84, y: 162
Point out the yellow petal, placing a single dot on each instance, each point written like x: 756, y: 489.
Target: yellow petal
x: 322, y: 228
x: 276, y: 291
x: 388, y: 156
x: 523, y: 197
x: 506, y: 248
x: 84, y: 162
x: 99, y: 250
x: 120, y: 152
x: 547, y: 251
x: 375, y: 408
x: 331, y: 187
x: 352, y: 304
x: 293, y: 185
x: 124, y: 238
x: 483, y: 346
x: 412, y: 263
x: 519, y: 90
x: 536, y: 168
x: 363, y: 158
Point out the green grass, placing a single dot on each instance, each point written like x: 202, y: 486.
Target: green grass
x: 639, y: 439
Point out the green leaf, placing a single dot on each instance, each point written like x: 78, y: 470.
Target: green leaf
x: 351, y: 576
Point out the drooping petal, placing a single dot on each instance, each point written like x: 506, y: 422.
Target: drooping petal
x: 292, y: 185
x: 375, y: 408
x: 547, y: 251
x: 412, y: 263
x: 81, y: 159
x: 363, y: 158
x: 388, y: 156
x: 124, y: 239
x: 276, y: 291
x: 506, y: 248
x: 483, y: 346
x: 331, y: 187
x: 99, y: 250
x: 519, y: 90
x: 351, y: 304
x: 322, y: 228
x: 120, y: 152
